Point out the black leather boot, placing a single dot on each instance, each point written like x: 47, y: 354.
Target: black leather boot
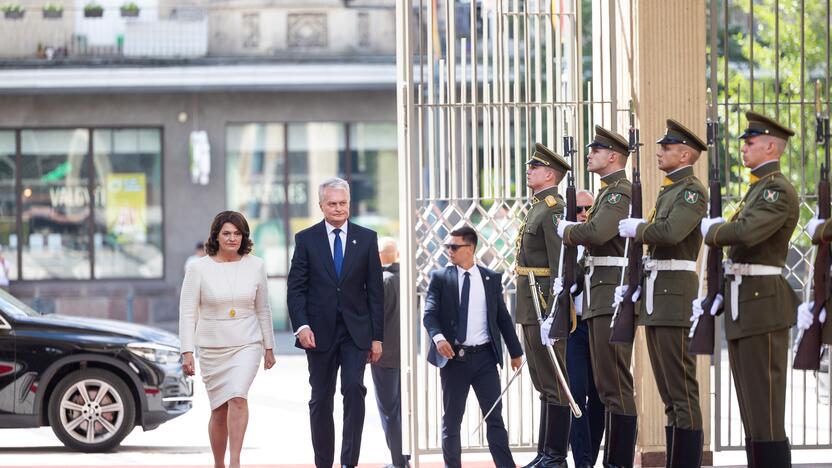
x: 668, y: 443
x: 748, y: 455
x: 687, y: 448
x: 556, y: 447
x: 772, y: 454
x: 606, y: 439
x: 623, y: 433
x: 541, y: 436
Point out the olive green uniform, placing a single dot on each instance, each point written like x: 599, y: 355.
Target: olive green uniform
x: 759, y: 313
x: 672, y: 233
x: 610, y: 362
x: 538, y: 250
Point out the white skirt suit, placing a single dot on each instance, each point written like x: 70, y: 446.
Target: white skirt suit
x: 224, y: 312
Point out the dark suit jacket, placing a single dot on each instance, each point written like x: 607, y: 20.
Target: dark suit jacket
x: 316, y: 295
x: 391, y: 357
x: 442, y: 310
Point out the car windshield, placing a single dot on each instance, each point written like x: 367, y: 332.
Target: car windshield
x: 14, y: 306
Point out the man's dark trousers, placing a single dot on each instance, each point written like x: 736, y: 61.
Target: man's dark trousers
x: 322, y: 376
x: 388, y: 384
x: 587, y: 431
x: 479, y: 370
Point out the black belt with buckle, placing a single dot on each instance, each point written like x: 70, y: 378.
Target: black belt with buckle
x: 463, y: 350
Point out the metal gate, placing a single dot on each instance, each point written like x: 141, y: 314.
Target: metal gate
x: 479, y: 83
x: 767, y: 55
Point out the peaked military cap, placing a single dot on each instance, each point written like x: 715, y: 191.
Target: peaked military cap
x: 610, y: 140
x: 545, y: 157
x: 759, y: 124
x: 676, y: 133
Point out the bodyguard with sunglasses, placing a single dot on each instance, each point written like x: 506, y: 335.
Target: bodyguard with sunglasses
x: 538, y: 251
x: 466, y: 317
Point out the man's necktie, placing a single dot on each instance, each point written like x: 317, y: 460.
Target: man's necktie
x: 463, y: 309
x: 337, y: 252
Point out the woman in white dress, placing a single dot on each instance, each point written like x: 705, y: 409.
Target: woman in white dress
x: 224, y: 312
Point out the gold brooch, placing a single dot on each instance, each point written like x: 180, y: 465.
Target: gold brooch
x: 232, y: 313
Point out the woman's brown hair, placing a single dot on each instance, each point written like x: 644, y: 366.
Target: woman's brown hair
x: 212, y: 245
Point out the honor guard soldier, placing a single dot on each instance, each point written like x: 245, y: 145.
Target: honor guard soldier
x: 820, y: 230
x: 670, y: 282
x: 538, y: 252
x: 759, y: 303
x: 604, y: 261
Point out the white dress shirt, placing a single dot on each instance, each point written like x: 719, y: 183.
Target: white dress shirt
x: 331, y: 237
x: 477, y: 331
x: 579, y: 299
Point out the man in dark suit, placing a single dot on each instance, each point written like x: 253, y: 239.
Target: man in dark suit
x: 386, y: 372
x: 465, y: 315
x: 335, y: 300
x: 587, y: 431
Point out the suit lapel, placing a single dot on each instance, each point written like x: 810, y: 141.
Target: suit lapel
x: 486, y: 287
x: 322, y: 241
x: 453, y: 282
x: 350, y: 251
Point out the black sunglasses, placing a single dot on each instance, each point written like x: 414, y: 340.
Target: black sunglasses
x: 455, y: 247
x: 582, y: 208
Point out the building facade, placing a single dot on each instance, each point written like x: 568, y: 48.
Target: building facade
x: 115, y: 157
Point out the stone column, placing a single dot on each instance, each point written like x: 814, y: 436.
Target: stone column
x: 660, y: 61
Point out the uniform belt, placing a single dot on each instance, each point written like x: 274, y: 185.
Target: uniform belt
x: 538, y: 271
x: 591, y: 262
x: 654, y: 267
x: 738, y: 270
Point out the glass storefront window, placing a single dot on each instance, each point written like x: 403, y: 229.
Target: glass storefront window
x: 127, y: 239
x: 316, y: 152
x: 55, y: 204
x: 272, y: 175
x: 374, y: 176
x: 8, y: 211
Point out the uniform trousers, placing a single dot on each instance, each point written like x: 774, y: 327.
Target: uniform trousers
x: 541, y: 367
x: 759, y: 365
x: 675, y: 372
x: 611, y: 367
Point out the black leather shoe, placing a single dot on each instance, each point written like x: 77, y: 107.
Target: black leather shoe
x: 541, y: 437
x: 556, y: 447
x: 773, y: 454
x: 623, y: 433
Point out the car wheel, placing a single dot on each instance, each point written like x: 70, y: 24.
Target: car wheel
x: 91, y: 410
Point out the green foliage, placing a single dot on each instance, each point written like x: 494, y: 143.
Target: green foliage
x: 53, y: 7
x: 93, y: 7
x: 130, y: 6
x: 12, y: 8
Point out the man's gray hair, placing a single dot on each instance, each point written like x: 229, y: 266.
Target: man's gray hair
x: 332, y: 183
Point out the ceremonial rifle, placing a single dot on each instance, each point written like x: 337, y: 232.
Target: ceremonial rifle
x: 623, y: 321
x: 809, y: 343
x: 563, y: 307
x: 702, y: 331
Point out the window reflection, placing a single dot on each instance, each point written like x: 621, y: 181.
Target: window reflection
x: 8, y: 212
x: 128, y: 210
x: 55, y: 204
x: 374, y: 177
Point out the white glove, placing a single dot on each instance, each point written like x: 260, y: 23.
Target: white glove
x: 557, y: 286
x: 805, y: 318
x: 562, y: 226
x: 708, y: 222
x: 697, y: 307
x: 627, y: 226
x: 544, y: 331
x: 813, y: 226
x: 618, y: 296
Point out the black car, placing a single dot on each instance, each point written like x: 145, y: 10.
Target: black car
x: 92, y: 380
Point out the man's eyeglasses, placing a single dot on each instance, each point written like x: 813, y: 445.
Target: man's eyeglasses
x: 582, y: 208
x: 455, y: 247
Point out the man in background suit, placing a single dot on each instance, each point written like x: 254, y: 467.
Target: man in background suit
x: 386, y: 372
x: 587, y: 431
x: 465, y: 316
x: 335, y: 300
